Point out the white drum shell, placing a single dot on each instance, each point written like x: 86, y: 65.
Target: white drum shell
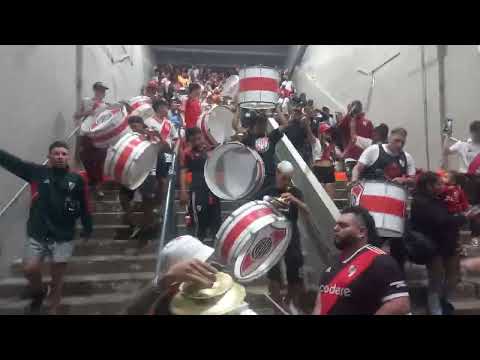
x: 258, y: 99
x: 104, y: 128
x: 389, y: 195
x: 143, y: 107
x: 134, y: 168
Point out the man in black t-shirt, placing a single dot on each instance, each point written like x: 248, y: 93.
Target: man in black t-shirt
x: 364, y: 280
x: 293, y: 256
x: 204, y: 207
x: 256, y: 138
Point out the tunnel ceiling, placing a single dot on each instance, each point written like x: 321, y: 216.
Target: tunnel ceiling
x: 221, y: 55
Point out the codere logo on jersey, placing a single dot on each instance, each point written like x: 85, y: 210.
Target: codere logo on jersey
x: 335, y: 290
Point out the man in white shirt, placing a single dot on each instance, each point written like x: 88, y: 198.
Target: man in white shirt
x: 469, y: 154
x: 467, y: 151
x: 387, y: 161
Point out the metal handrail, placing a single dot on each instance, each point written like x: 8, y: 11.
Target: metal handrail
x: 24, y: 186
x: 167, y: 224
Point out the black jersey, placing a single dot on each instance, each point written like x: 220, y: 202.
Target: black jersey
x: 360, y: 284
x: 265, y: 146
x: 194, y: 161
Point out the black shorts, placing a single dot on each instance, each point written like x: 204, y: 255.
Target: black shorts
x: 324, y: 174
x: 164, y: 160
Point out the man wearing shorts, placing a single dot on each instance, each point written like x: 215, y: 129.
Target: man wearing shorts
x: 59, y: 198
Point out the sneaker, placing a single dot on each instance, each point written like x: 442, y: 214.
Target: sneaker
x: 36, y: 306
x: 447, y: 307
x: 475, y: 241
x: 136, y: 231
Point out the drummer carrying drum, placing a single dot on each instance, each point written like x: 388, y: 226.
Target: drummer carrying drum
x: 293, y: 198
x: 92, y: 157
x: 387, y: 162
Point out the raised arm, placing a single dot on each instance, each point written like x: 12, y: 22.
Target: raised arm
x: 22, y: 169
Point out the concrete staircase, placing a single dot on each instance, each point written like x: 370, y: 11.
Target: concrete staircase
x: 109, y: 269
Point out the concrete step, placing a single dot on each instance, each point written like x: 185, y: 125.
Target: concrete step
x: 101, y: 264
x: 110, y: 247
x: 85, y: 285
x: 99, y: 304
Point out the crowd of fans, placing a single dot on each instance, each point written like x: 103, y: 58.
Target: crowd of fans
x: 330, y: 143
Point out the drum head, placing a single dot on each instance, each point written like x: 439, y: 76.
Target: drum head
x: 226, y: 178
x: 141, y: 166
x: 220, y: 120
x: 262, y: 251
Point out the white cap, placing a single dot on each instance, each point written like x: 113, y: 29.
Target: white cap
x: 285, y: 167
x: 183, y: 248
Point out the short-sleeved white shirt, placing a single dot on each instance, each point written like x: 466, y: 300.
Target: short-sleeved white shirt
x: 371, y: 154
x: 467, y: 151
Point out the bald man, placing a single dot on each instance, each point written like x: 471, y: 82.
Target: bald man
x: 284, y: 188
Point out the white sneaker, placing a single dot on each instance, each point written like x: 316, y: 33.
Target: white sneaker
x: 476, y: 241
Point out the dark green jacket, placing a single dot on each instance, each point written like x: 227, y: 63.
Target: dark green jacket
x: 59, y: 198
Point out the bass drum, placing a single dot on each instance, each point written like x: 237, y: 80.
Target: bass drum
x: 216, y: 125
x: 258, y: 87
x: 252, y: 240
x: 130, y: 160
x: 105, y: 128
x: 141, y: 106
x: 233, y: 171
x: 386, y: 202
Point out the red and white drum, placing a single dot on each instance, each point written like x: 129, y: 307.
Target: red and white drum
x: 386, y: 202
x: 141, y: 106
x: 233, y: 171
x: 252, y: 240
x: 258, y: 87
x: 216, y: 124
x: 106, y: 127
x: 130, y: 160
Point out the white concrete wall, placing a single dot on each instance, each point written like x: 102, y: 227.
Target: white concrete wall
x: 37, y: 100
x: 328, y: 74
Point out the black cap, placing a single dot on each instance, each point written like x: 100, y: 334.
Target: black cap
x: 100, y: 84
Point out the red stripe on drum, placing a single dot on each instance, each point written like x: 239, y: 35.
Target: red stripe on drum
x: 258, y: 84
x: 139, y: 103
x: 383, y: 204
x: 123, y: 158
x: 240, y: 227
x: 115, y: 132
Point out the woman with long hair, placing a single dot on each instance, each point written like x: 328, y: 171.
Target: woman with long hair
x: 430, y: 216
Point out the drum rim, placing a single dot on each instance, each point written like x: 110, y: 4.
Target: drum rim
x: 204, y: 122
x: 112, y: 140
x: 214, y: 189
x: 265, y: 266
x: 136, y: 154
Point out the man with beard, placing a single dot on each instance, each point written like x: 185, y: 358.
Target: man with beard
x: 364, y: 280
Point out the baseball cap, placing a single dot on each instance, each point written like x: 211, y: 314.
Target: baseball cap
x: 285, y: 167
x: 100, y: 84
x: 183, y: 248
x: 324, y: 127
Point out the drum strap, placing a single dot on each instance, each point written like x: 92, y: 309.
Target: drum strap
x: 474, y: 165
